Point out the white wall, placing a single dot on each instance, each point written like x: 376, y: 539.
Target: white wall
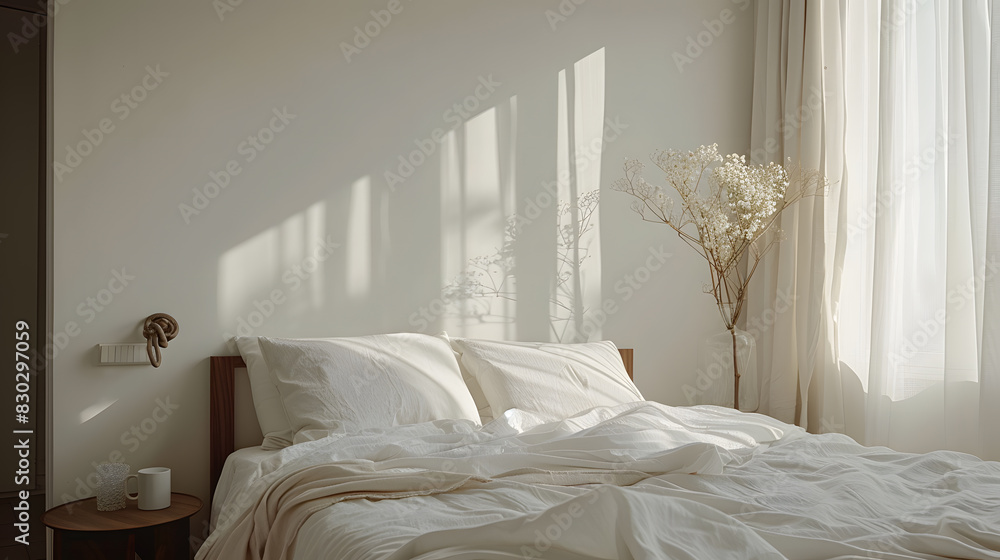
x: 323, y: 176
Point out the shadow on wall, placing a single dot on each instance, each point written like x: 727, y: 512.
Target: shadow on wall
x: 449, y: 250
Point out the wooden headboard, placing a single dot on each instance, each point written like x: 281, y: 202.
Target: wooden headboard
x: 222, y: 409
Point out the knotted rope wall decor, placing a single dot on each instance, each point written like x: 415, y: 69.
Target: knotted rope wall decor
x: 159, y: 329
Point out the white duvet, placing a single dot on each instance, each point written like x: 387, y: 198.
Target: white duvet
x: 641, y: 481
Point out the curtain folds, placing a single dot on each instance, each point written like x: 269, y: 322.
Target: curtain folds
x: 893, y: 335
x: 989, y: 391
x: 798, y: 114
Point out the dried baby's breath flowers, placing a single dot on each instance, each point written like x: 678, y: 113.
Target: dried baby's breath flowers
x: 728, y: 210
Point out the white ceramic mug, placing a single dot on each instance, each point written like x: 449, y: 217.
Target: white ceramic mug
x: 153, y: 488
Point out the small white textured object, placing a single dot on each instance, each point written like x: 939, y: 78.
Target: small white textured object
x: 111, y: 486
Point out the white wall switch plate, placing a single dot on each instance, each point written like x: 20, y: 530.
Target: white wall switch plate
x: 124, y: 354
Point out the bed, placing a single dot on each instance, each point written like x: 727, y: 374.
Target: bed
x: 627, y: 478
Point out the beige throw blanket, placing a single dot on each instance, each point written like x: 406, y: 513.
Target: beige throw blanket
x: 267, y: 531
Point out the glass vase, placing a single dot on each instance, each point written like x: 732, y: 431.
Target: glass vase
x: 111, y: 486
x: 715, y: 380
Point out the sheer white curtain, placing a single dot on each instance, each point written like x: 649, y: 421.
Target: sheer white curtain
x: 798, y: 113
x: 900, y: 336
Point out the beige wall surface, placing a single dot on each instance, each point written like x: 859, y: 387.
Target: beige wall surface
x: 308, y: 168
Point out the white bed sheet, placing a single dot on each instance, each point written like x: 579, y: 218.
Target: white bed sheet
x: 242, y: 468
x: 766, y: 491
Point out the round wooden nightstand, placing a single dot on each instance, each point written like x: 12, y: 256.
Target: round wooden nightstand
x: 83, y: 532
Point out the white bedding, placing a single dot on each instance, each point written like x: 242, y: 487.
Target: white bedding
x: 612, y: 483
x: 242, y: 467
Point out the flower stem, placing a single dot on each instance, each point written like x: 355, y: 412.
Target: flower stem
x: 736, y: 372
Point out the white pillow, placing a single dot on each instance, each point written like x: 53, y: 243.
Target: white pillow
x: 553, y: 381
x: 266, y: 400
x: 485, y: 412
x: 340, y: 385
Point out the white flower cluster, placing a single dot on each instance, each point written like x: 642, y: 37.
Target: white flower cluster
x: 684, y: 169
x: 731, y: 210
x: 716, y: 231
x: 754, y: 192
x: 733, y: 213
